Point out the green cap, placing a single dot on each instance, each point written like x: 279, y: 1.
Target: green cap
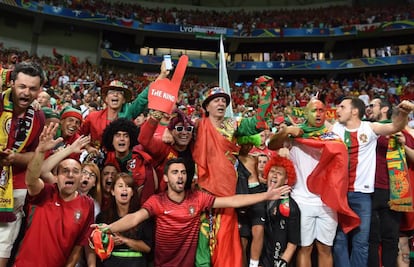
x: 50, y: 113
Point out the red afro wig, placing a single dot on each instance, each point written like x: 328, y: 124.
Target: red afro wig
x: 279, y: 161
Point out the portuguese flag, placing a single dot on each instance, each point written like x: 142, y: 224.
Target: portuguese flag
x: 329, y: 179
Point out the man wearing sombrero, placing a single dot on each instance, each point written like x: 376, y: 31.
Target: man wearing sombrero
x: 215, y: 153
x: 116, y: 96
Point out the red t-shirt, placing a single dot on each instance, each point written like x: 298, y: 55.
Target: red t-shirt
x: 159, y: 151
x: 54, y: 228
x: 94, y: 125
x: 177, y: 226
x: 382, y: 178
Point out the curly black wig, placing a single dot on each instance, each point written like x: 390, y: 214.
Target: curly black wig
x: 120, y: 125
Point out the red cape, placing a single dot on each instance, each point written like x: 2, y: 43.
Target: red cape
x: 214, y: 156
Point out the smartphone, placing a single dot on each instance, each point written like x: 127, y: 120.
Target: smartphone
x: 168, y: 62
x: 3, y: 154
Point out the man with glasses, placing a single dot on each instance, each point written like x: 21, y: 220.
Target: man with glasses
x: 120, y: 140
x: 385, y: 219
x: 20, y: 127
x: 59, y: 215
x: 360, y: 138
x: 181, y: 128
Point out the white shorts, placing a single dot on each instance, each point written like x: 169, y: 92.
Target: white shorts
x: 9, y: 231
x: 317, y: 223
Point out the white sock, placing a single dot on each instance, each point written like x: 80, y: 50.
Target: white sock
x: 253, y: 263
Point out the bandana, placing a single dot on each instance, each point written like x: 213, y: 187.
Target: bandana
x: 309, y: 131
x: 102, y: 242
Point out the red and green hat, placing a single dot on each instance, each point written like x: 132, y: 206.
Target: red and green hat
x: 71, y: 112
x: 215, y: 92
x: 264, y: 81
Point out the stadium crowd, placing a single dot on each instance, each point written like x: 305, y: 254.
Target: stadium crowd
x: 67, y: 83
x: 80, y: 141
x: 323, y: 17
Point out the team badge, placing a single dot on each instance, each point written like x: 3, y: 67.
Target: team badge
x: 274, y: 211
x: 8, y: 125
x: 171, y: 156
x: 191, y: 211
x: 131, y: 164
x: 77, y: 216
x: 363, y: 138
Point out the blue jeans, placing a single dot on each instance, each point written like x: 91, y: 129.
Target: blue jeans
x: 385, y: 230
x: 361, y: 204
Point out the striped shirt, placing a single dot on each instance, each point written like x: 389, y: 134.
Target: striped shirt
x: 177, y: 226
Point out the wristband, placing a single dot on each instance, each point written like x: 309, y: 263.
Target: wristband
x: 156, y: 114
x: 281, y: 263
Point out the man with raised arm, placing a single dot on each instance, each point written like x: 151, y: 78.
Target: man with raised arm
x: 59, y: 219
x: 177, y: 213
x: 320, y: 191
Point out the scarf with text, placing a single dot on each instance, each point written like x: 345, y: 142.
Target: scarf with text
x: 400, y: 192
x: 16, y: 143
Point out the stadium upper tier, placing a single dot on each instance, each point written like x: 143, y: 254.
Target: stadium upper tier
x: 243, y: 21
x: 339, y: 30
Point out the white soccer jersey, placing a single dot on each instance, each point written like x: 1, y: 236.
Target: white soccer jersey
x: 361, y: 144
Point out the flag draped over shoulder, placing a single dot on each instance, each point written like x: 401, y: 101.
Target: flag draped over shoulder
x: 329, y: 179
x: 215, y: 159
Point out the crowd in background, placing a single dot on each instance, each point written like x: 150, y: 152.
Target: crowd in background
x: 323, y: 17
x: 124, y: 156
x: 67, y: 83
x: 72, y: 92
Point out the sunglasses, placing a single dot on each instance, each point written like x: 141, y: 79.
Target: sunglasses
x: 186, y: 128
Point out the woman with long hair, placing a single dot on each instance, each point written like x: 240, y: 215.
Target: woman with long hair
x: 132, y: 247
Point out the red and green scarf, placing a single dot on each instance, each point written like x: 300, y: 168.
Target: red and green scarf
x: 400, y: 191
